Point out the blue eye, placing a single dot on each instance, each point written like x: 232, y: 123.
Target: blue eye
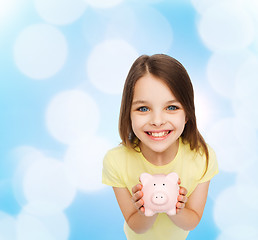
x: 143, y: 109
x: 172, y: 108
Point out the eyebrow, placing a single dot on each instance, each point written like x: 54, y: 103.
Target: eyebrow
x: 146, y: 102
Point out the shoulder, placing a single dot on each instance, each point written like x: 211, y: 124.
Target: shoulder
x: 114, y: 167
x: 199, y: 156
x: 212, y: 165
x: 118, y: 155
x: 196, y: 160
x: 118, y: 152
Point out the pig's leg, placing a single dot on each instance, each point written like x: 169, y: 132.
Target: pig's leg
x: 172, y: 211
x: 149, y: 212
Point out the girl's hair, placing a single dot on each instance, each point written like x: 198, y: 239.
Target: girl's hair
x: 173, y: 73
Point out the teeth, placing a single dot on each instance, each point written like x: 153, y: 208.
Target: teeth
x: 158, y: 134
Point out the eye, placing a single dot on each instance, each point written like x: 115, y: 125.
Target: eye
x: 172, y: 108
x: 143, y: 109
x: 164, y: 184
x: 154, y: 184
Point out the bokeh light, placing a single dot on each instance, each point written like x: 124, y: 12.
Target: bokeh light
x: 153, y: 28
x: 46, y: 185
x: 51, y: 227
x: 60, y: 12
x: 40, y: 51
x: 222, y: 71
x: 108, y: 65
x: 103, y: 3
x: 226, y: 27
x: 7, y: 226
x: 230, y: 132
x: 83, y: 161
x: 229, y: 215
x: 71, y: 115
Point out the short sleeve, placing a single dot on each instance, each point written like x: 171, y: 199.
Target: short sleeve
x: 213, y: 168
x: 112, y: 171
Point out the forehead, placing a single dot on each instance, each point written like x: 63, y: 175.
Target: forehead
x: 150, y: 88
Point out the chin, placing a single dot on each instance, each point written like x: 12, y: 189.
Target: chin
x: 157, y: 149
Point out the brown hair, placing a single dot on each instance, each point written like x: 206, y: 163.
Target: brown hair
x: 173, y: 73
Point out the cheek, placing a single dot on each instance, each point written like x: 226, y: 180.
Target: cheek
x: 133, y: 122
x: 137, y: 122
x: 180, y: 121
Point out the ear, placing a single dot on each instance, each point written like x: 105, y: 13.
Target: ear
x: 145, y: 177
x: 173, y: 177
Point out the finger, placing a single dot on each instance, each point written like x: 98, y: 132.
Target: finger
x: 137, y: 196
x: 178, y: 210
x: 179, y: 181
x: 136, y: 188
x: 142, y: 210
x: 182, y: 199
x: 139, y: 204
x: 182, y: 191
x: 180, y: 205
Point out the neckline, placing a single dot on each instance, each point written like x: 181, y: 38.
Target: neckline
x: 168, y: 164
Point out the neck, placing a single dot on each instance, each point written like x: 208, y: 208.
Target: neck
x: 160, y: 158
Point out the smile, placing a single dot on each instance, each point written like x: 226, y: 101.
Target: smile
x: 158, y: 134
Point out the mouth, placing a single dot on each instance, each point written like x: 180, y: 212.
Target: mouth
x: 160, y: 134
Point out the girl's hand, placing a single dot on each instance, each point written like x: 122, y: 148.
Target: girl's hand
x: 182, y: 199
x: 137, y: 198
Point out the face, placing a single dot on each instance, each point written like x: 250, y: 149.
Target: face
x: 158, y: 119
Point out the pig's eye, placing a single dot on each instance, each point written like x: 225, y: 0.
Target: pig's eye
x: 163, y: 184
x: 154, y: 184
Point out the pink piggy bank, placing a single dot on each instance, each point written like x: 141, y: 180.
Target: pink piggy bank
x: 160, y: 193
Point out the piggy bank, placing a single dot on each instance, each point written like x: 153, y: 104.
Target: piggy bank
x: 160, y: 193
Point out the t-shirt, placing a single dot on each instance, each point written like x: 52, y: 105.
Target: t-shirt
x: 122, y: 168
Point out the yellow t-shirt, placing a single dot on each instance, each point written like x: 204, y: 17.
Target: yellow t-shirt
x: 122, y: 168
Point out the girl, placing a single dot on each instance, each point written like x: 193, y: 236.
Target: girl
x: 159, y: 135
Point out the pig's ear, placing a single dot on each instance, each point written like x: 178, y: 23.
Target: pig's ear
x: 172, y: 177
x: 145, y: 177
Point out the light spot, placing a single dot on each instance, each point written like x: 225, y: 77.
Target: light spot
x: 31, y: 228
x: 25, y: 156
x: 239, y: 232
x: 153, y: 33
x: 46, y: 186
x: 103, y: 3
x: 252, y: 7
x: 222, y: 70
x: 51, y: 227
x: 40, y: 51
x: 7, y: 226
x: 120, y: 23
x: 84, y: 161
x: 249, y: 175
x: 226, y: 137
x: 228, y: 213
x: 226, y: 27
x: 7, y: 7
x: 60, y: 11
x: 246, y: 87
x: 202, y: 5
x: 204, y: 109
x: 109, y: 63
x: 71, y: 115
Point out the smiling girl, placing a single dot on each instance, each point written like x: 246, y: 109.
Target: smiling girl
x: 159, y: 135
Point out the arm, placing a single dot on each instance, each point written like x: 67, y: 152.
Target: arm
x: 133, y: 210
x: 189, y: 216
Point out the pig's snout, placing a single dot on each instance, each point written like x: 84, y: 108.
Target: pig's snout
x: 159, y: 198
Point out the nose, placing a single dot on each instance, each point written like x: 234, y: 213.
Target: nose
x: 157, y: 119
x: 159, y: 198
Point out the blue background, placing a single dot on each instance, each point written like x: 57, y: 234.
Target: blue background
x: 216, y: 42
